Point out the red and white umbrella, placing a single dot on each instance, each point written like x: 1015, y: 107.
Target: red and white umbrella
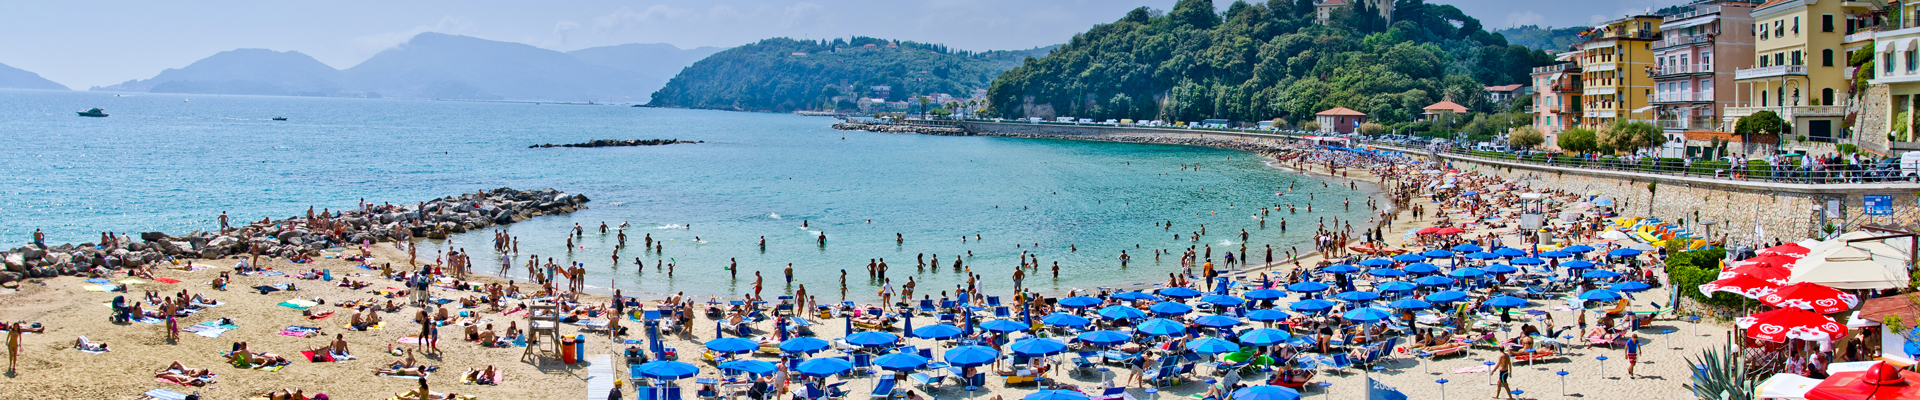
x: 1789, y: 250
x: 1770, y: 268
x: 1742, y: 285
x: 1790, y: 323
x: 1811, y: 296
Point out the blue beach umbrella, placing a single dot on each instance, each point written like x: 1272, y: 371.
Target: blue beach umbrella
x: 1066, y: 320
x: 1506, y: 301
x: 667, y: 370
x: 1578, y: 249
x: 1055, y: 395
x: 1600, y: 295
x: 1509, y: 252
x: 1623, y: 253
x: 1266, y: 392
x: 1166, y: 308
x: 1434, y: 281
x: 1600, y: 274
x: 1410, y: 257
x: 1386, y: 272
x: 1376, y: 262
x: 1466, y: 272
x: 1341, y: 269
x: 1266, y: 294
x: 1483, y: 256
x: 1078, y: 302
x: 971, y: 356
x: 1436, y: 253
x: 732, y: 345
x: 1357, y: 296
x: 1409, y: 304
x: 1268, y: 315
x: 1466, y: 248
x: 1179, y: 292
x: 1264, y: 337
x: 872, y: 339
x: 937, y: 332
x: 1037, y: 347
x: 1160, y: 327
x: 1212, y: 346
x: 1500, y: 269
x: 1121, y: 312
x: 1222, y: 300
x: 1527, y: 261
x: 901, y: 362
x: 1396, y: 286
x: 824, y: 367
x: 1308, y: 287
x: 1445, y: 296
x: 1103, y: 338
x: 1629, y: 286
x: 1421, y: 268
x: 1133, y: 296
x: 804, y: 344
x: 755, y: 367
x: 1217, y: 321
x: 1578, y: 264
x: 1555, y: 254
x: 1310, y: 305
x: 1365, y: 314
x: 1003, y: 326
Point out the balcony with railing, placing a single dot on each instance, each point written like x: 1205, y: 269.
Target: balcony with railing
x: 1677, y: 69
x: 1770, y: 72
x: 1677, y: 41
x: 1697, y: 122
x: 1678, y: 97
x: 1788, y: 112
x: 1697, y: 11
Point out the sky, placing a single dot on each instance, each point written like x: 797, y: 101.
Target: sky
x: 107, y: 42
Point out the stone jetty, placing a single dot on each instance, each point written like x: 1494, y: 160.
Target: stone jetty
x: 618, y: 143
x: 897, y: 128
x: 295, y: 237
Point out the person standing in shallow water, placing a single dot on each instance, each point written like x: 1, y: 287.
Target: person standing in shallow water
x: 789, y: 274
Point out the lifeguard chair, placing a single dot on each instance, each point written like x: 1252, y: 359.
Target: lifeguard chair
x: 543, y: 318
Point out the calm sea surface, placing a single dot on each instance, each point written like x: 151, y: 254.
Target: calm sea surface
x: 174, y: 162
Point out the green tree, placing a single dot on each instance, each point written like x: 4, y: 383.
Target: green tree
x: 1762, y: 122
x: 1526, y: 137
x: 1310, y: 126
x: 1579, y: 140
x: 1373, y: 129
x: 1630, y: 136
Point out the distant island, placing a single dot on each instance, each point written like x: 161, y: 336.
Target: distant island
x: 15, y: 78
x: 618, y: 143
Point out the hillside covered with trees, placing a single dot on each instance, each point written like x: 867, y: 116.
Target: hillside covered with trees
x: 784, y: 74
x: 1262, y: 61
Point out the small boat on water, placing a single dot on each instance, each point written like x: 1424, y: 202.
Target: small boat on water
x: 94, y: 112
x: 279, y: 118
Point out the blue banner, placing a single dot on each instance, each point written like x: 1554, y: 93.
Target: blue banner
x: 1878, y: 204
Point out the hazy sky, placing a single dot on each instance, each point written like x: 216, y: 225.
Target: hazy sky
x: 107, y: 42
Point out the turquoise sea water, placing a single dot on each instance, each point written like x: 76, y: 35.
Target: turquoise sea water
x: 174, y: 162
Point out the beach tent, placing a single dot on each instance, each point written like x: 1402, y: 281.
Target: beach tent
x: 1848, y: 268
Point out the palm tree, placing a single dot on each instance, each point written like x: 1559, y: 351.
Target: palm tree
x: 924, y: 100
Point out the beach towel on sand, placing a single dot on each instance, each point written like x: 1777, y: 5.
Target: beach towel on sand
x: 166, y: 280
x: 298, y: 304
x: 163, y: 394
x: 299, y: 331
x: 211, y: 329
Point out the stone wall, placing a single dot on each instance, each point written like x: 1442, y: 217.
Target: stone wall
x: 1875, y: 115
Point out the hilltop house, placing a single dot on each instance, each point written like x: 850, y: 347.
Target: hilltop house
x: 1506, y: 93
x: 1444, y: 107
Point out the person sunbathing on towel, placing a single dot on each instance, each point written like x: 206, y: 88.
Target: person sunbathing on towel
x: 243, y: 356
x: 88, y: 345
x: 480, y: 376
x: 288, y: 394
x: 488, y: 338
x: 402, y: 371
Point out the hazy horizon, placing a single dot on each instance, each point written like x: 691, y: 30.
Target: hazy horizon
x: 114, y: 41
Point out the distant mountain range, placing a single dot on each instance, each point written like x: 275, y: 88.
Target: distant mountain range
x: 436, y: 66
x: 15, y: 78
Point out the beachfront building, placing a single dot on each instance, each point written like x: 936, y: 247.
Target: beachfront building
x: 1694, y: 62
x: 1340, y: 120
x: 1800, y: 69
x: 1888, y: 104
x: 1556, y: 103
x: 1441, y: 109
x: 1614, y: 63
x: 1505, y: 93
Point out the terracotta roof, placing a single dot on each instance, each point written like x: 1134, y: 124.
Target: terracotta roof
x: 1342, y: 111
x: 1504, y: 88
x: 1771, y: 4
x: 1879, y: 308
x: 1447, y: 105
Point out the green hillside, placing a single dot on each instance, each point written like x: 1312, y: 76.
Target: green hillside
x: 1259, y: 61
x: 784, y: 74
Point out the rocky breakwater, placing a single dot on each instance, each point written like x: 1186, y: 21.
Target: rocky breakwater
x: 900, y: 128
x: 294, y: 237
x: 618, y: 143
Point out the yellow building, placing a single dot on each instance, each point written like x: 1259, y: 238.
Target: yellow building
x: 1800, y: 66
x: 1614, y: 66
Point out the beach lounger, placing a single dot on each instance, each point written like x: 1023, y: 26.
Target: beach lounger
x: 1002, y: 312
x: 926, y: 307
x: 925, y: 382
x: 883, y: 388
x: 993, y: 301
x: 1082, y: 363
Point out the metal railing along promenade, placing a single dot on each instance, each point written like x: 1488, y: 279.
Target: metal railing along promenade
x: 1794, y: 171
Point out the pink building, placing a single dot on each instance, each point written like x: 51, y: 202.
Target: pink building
x: 1694, y: 65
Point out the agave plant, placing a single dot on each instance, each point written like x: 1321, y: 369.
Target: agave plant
x: 1720, y: 374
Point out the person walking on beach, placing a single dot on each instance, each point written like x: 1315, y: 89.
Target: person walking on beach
x: 1503, y: 370
x: 1633, y: 353
x: 1018, y: 276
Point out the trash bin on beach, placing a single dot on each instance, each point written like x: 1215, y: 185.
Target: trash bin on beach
x: 580, y: 347
x: 566, y: 350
